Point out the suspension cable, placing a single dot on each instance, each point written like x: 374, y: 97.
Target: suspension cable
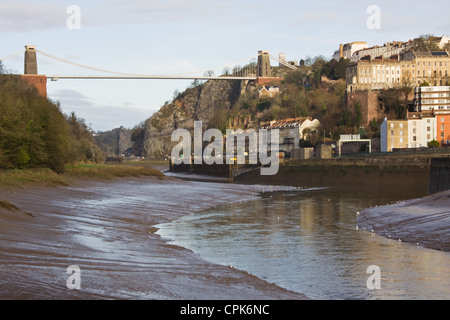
x: 115, y: 72
x: 13, y: 55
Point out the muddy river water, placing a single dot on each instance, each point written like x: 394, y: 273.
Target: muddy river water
x: 173, y: 239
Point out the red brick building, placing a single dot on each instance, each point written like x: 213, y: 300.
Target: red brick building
x: 443, y: 129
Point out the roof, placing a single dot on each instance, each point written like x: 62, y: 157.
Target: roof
x: 431, y: 54
x: 287, y: 123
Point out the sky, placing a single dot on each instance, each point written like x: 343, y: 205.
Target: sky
x: 157, y: 37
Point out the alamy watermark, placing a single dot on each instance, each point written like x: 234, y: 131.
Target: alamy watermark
x: 262, y: 147
x: 374, y: 20
x: 74, y: 280
x: 374, y: 281
x: 73, y: 22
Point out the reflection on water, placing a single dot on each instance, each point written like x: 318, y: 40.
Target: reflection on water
x: 307, y: 241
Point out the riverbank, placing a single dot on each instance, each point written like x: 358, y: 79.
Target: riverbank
x: 424, y: 221
x: 46, y: 177
x: 107, y: 228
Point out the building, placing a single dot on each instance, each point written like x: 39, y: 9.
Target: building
x: 347, y: 50
x: 394, y: 135
x: 411, y: 69
x: 291, y: 131
x: 387, y: 51
x: 443, y: 128
x: 269, y: 91
x: 432, y: 98
x: 422, y: 129
x: 426, y: 67
x: 393, y: 49
x: 375, y: 74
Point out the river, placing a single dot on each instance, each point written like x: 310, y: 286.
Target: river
x: 169, y: 239
x: 307, y: 241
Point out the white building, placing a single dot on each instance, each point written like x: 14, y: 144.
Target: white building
x: 347, y: 50
x: 432, y: 98
x: 422, y: 128
x: 292, y: 131
x: 387, y: 51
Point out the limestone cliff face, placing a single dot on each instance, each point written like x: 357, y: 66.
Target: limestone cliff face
x: 195, y: 104
x: 115, y: 142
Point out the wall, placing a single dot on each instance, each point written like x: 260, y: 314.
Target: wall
x: 439, y: 175
x: 370, y: 105
x: 370, y: 175
x: 38, y: 81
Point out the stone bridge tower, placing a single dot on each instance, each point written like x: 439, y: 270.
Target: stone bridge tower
x: 30, y: 60
x: 264, y: 70
x: 30, y: 75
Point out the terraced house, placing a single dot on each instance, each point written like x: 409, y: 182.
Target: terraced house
x: 408, y: 69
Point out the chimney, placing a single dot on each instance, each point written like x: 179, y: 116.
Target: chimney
x: 30, y: 60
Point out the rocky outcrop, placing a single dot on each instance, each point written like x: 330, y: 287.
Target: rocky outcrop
x: 198, y: 103
x: 115, y: 142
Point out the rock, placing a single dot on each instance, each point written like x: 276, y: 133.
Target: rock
x: 195, y: 104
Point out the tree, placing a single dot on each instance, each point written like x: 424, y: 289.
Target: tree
x: 425, y: 43
x: 433, y: 144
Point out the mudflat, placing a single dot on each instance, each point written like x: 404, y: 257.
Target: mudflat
x: 424, y: 221
x: 107, y: 229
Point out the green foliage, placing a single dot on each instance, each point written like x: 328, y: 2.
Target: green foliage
x: 35, y: 133
x: 395, y: 102
x: 433, y: 144
x: 264, y: 104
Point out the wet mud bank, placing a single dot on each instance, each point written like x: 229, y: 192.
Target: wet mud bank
x: 107, y: 229
x: 424, y: 221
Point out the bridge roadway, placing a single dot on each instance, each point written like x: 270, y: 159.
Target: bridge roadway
x: 162, y: 77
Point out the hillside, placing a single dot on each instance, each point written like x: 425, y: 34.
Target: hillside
x: 34, y: 133
x: 316, y: 89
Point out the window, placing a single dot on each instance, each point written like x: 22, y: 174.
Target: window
x: 429, y: 136
x: 442, y: 127
x: 392, y: 125
x: 401, y: 132
x: 401, y: 140
x: 428, y: 129
x: 442, y: 135
x: 442, y: 120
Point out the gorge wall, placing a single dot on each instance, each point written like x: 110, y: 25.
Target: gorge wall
x: 198, y: 103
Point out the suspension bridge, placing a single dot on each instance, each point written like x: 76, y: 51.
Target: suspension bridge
x: 250, y: 71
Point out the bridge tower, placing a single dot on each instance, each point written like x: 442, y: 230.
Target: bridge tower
x: 30, y: 75
x: 264, y: 70
x: 30, y: 60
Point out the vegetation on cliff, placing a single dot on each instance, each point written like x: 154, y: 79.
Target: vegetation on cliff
x: 34, y: 133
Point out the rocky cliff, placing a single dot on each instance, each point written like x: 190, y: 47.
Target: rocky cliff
x: 198, y: 103
x: 115, y: 142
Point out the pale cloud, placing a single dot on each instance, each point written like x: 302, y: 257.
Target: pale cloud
x: 99, y: 115
x: 23, y: 16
